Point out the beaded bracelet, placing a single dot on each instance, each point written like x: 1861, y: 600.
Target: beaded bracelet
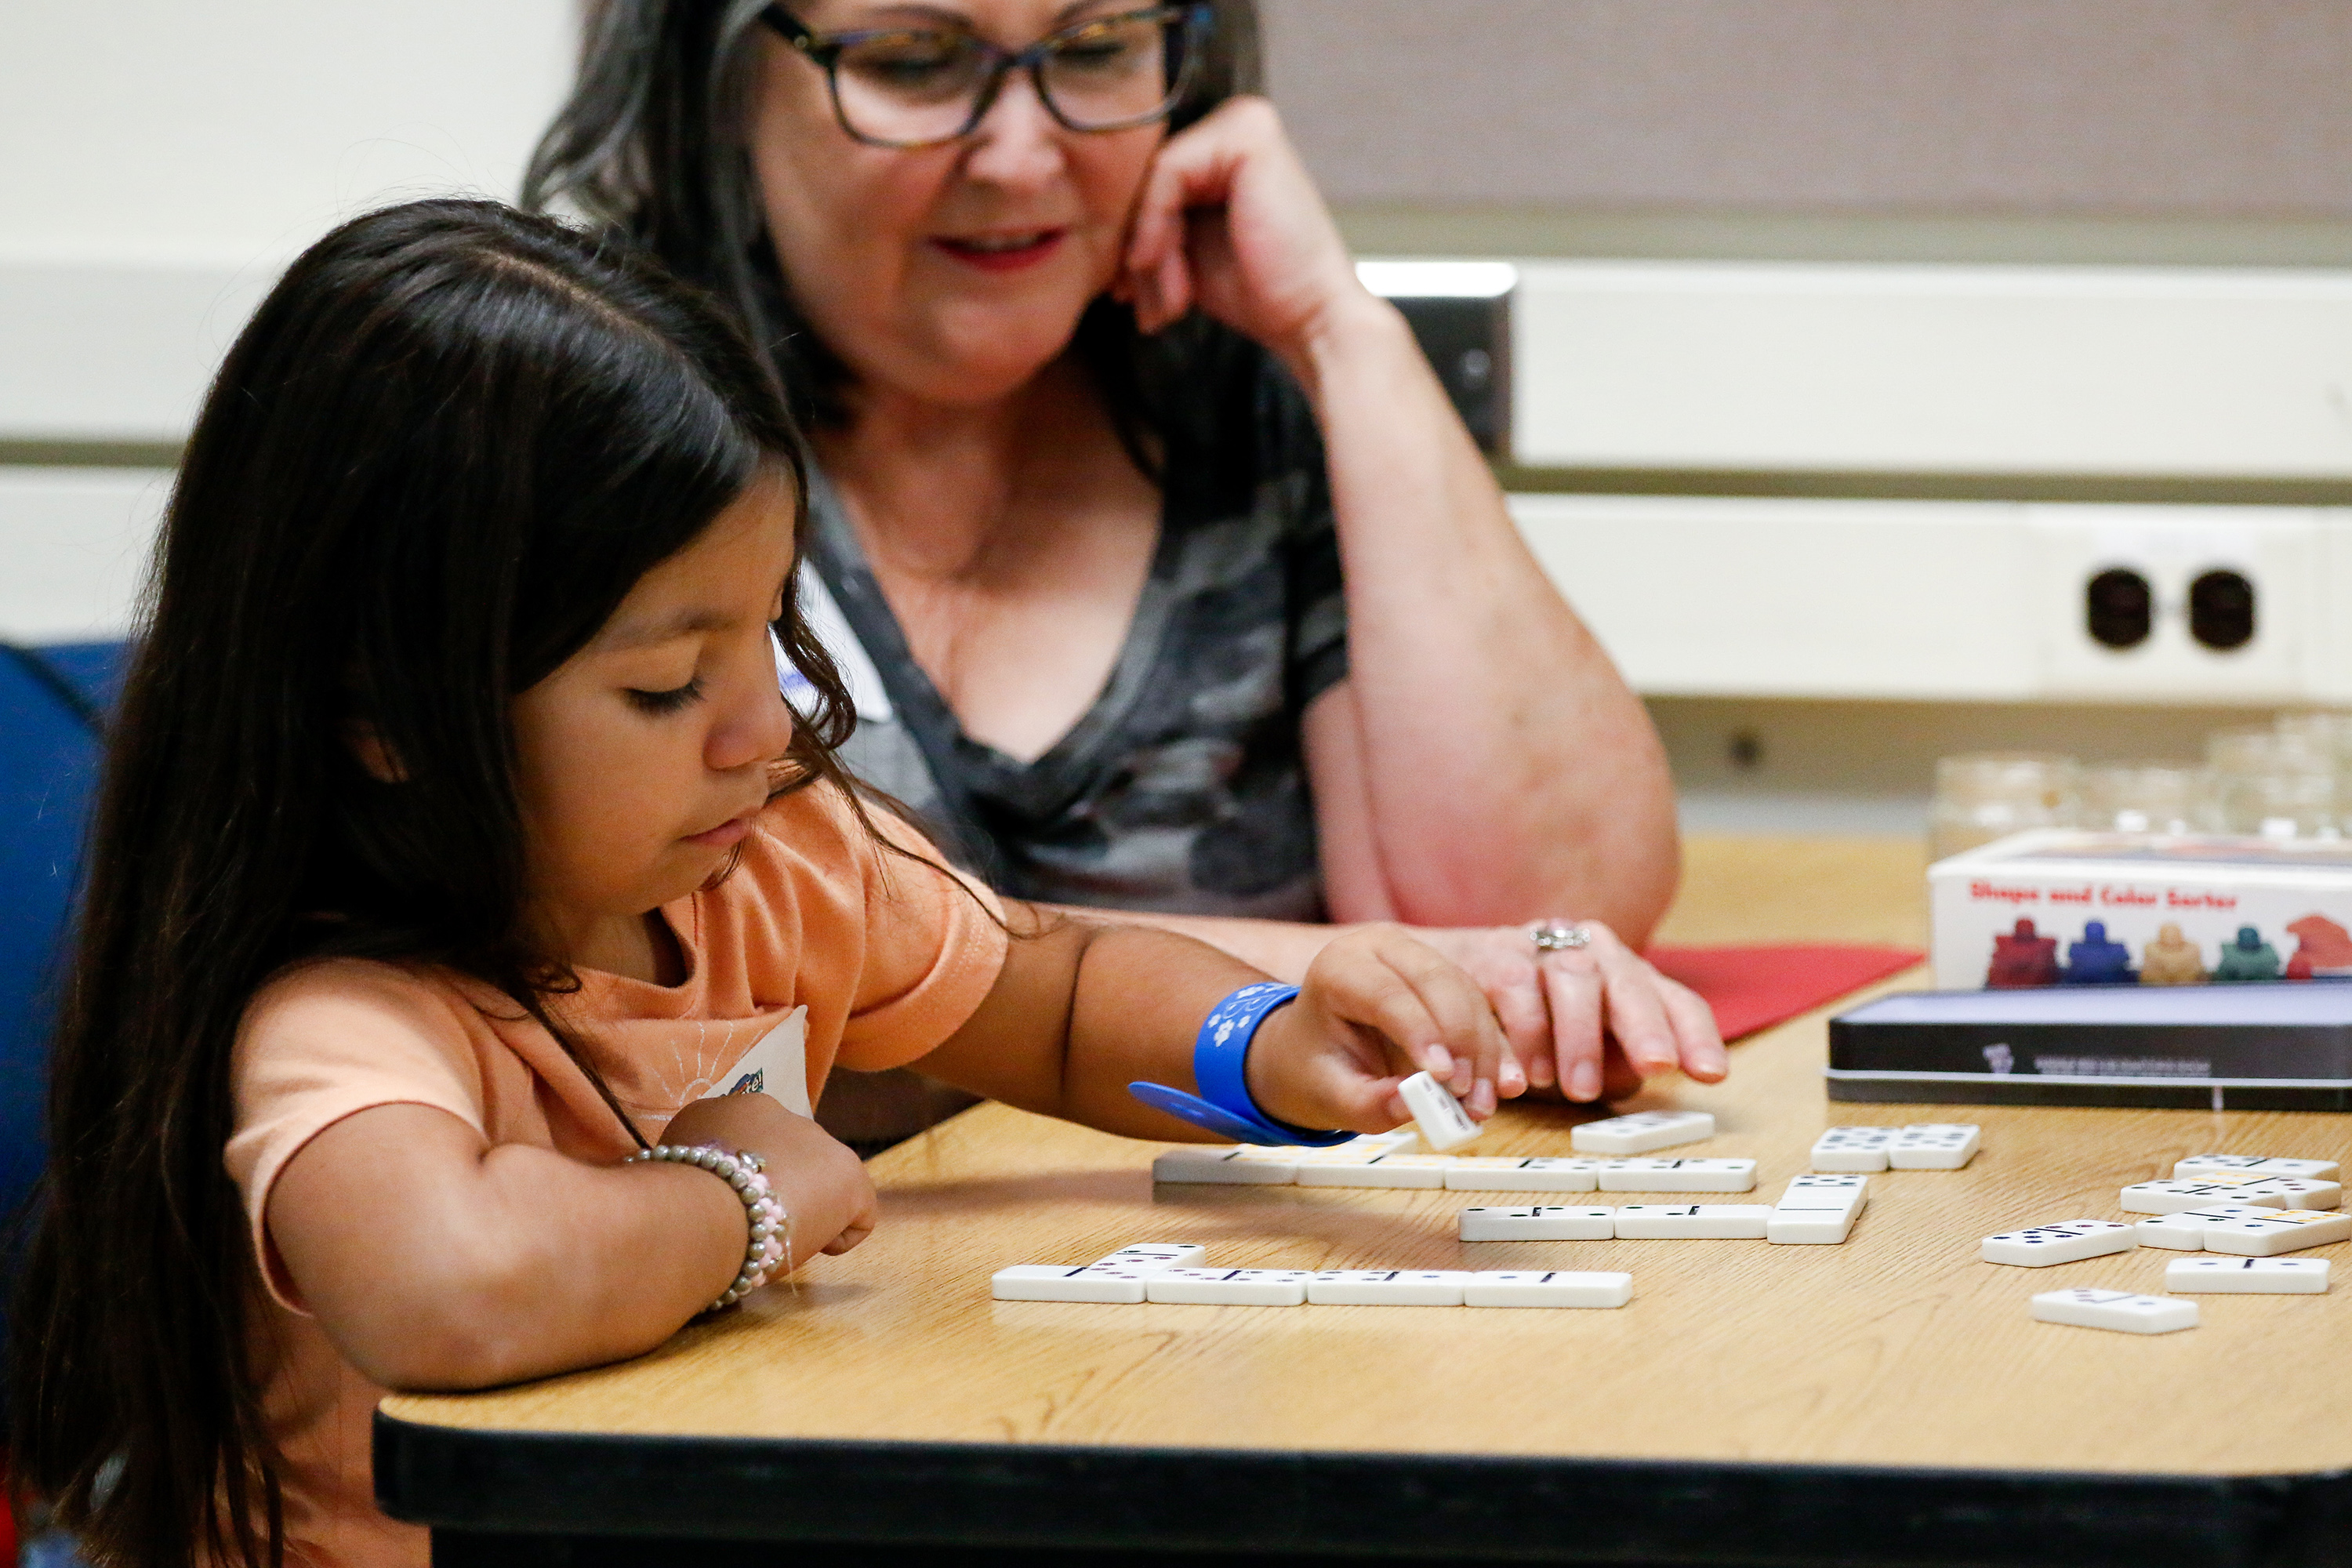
x: 744, y: 1172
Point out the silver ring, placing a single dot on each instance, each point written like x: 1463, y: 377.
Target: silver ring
x: 1559, y: 936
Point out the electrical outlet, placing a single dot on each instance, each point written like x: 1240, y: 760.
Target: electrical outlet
x: 1459, y: 312
x: 2176, y: 603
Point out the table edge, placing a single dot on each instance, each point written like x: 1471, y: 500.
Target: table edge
x: 1290, y: 1501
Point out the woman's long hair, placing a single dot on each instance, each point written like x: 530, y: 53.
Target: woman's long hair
x: 652, y: 142
x: 445, y: 448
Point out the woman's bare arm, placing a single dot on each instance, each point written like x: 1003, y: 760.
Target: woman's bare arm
x: 1473, y: 684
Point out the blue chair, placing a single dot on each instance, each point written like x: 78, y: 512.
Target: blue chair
x: 53, y: 703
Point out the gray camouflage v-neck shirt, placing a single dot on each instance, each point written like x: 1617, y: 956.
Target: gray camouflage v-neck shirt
x: 1184, y: 788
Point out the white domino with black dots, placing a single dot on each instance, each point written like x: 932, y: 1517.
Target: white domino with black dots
x: 2119, y: 1309
x: 1861, y: 1149
x: 1489, y: 1173
x: 2247, y: 1276
x: 2185, y: 1231
x: 1171, y: 1274
x: 1643, y: 1132
x: 1817, y: 1209
x: 1534, y: 1287
x: 2176, y: 1194
x: 1213, y: 1165
x: 2064, y: 1241
x: 1387, y: 1161
x: 2284, y: 1230
x: 1423, y: 1171
x: 2298, y: 1192
x: 1694, y: 1221
x: 1653, y: 1175
x: 2256, y: 1165
x: 1118, y: 1280
x: 1444, y: 1123
x: 1933, y: 1146
x: 1546, y: 1222
x: 1229, y: 1287
x: 1921, y: 1146
x: 1386, y: 1288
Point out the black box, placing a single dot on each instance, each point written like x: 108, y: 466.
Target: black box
x: 2246, y: 1048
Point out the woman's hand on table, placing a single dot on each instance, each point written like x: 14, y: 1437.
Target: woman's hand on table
x: 1229, y: 220
x: 827, y: 1196
x: 1595, y: 1021
x: 1375, y: 1007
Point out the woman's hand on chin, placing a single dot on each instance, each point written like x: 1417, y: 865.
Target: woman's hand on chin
x: 1595, y: 1020
x: 1228, y: 220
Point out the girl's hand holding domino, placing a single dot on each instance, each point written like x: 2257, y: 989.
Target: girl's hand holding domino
x: 1377, y: 1007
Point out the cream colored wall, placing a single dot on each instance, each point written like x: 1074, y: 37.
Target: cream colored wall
x: 230, y: 132
x: 159, y: 164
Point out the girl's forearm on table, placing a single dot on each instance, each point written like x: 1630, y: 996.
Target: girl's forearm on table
x: 435, y: 1261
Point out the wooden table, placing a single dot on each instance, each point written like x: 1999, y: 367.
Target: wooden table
x: 1888, y: 1401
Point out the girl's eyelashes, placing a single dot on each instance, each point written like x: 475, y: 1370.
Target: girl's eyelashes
x: 669, y: 702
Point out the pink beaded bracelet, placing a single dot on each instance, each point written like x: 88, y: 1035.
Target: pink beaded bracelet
x: 744, y: 1171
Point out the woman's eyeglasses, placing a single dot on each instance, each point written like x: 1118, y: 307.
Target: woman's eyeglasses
x: 919, y: 87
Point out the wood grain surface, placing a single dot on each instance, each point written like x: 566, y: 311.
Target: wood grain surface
x: 1897, y: 1348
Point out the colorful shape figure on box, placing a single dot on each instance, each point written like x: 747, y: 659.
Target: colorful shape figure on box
x: 2323, y: 950
x: 2096, y: 960
x: 2022, y: 959
x: 2171, y: 958
x: 2248, y: 958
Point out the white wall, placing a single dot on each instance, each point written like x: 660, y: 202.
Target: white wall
x: 160, y: 163
x: 228, y: 133
x: 2147, y: 372
x: 74, y: 546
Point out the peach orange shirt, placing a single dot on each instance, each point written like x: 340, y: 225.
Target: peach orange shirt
x: 890, y: 958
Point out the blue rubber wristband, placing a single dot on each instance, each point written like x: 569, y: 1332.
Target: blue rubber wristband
x: 1220, y: 1054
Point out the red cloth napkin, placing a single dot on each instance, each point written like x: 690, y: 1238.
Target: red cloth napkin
x: 1753, y: 988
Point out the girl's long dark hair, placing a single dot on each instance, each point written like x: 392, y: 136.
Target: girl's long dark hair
x: 651, y: 142
x: 445, y: 448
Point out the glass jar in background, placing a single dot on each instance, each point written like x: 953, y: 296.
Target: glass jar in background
x: 1989, y: 795
x: 2276, y: 783
x: 2326, y: 734
x: 2268, y: 749
x: 2142, y: 797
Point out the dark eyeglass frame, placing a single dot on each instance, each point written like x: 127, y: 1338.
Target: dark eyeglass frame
x: 1189, y: 23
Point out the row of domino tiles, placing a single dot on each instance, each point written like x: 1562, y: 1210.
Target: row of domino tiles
x: 1383, y: 1160
x: 1167, y: 1272
x: 1349, y: 1166
x: 1816, y: 1209
x: 2251, y: 1231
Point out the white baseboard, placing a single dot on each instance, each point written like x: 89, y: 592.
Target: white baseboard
x: 2077, y: 371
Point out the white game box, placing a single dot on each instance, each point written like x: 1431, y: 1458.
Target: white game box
x: 2063, y: 907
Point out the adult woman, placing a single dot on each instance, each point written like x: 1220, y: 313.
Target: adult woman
x: 1176, y: 584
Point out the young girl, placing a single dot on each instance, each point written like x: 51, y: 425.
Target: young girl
x: 456, y: 845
